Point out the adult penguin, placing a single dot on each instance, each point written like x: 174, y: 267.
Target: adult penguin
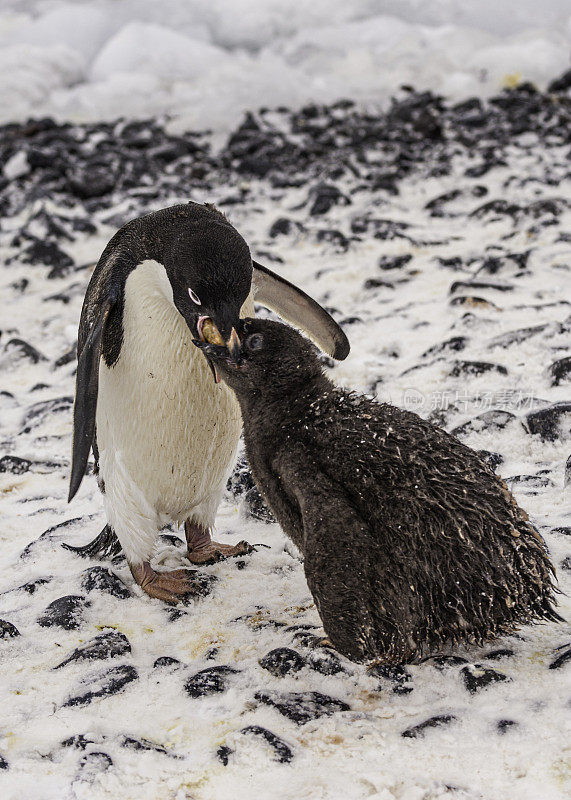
x: 164, y: 433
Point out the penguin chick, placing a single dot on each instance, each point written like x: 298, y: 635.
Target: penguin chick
x: 164, y: 435
x: 410, y: 541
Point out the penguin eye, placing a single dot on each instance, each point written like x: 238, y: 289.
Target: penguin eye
x: 255, y: 342
x: 194, y: 297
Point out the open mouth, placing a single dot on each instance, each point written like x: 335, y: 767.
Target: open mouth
x: 208, y: 332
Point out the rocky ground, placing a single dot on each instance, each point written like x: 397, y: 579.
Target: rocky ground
x: 439, y: 236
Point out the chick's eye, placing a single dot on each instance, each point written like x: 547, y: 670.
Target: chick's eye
x: 194, y: 297
x: 255, y: 342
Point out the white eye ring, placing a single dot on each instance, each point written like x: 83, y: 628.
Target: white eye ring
x: 194, y: 297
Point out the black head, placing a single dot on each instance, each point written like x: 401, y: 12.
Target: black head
x: 271, y: 360
x: 210, y: 270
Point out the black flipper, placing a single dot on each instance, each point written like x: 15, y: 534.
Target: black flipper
x: 105, y: 545
x: 295, y: 306
x: 86, y: 386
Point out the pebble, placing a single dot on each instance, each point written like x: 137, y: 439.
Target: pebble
x: 102, y: 579
x: 7, y: 630
x: 438, y: 721
x: 283, y: 753
x: 476, y: 677
x: 282, y: 661
x: 563, y: 658
x: 302, y: 707
x: 103, y: 684
x: 212, y: 680
x: 105, y: 645
x: 65, y: 612
x: 550, y: 423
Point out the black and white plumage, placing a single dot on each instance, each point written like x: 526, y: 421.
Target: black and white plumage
x: 410, y: 541
x: 164, y: 434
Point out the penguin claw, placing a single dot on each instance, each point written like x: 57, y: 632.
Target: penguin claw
x: 171, y: 587
x: 216, y: 551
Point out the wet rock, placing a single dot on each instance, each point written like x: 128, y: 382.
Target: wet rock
x: 446, y: 662
x: 453, y: 345
x: 223, y: 754
x: 550, y: 423
x: 394, y: 262
x: 282, y: 661
x: 438, y: 721
x: 515, y: 337
x: 495, y: 655
x: 504, y: 725
x: 93, y: 764
x: 471, y: 285
x: 39, y: 412
x: 560, y: 371
x: 241, y: 485
x: 15, y: 465
x: 7, y: 630
x: 166, y: 661
x: 102, y: 579
x: 563, y: 657
x: 17, y: 351
x: 212, y: 680
x: 143, y: 745
x: 475, y: 368
x: 493, y: 420
x: 282, y: 752
x: 492, y: 459
x: 65, y: 612
x: 302, y: 707
x: 105, y: 645
x: 103, y: 684
x: 477, y: 677
x: 325, y: 196
x: 325, y: 662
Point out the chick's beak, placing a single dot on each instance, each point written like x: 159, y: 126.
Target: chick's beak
x: 211, y: 343
x: 234, y: 346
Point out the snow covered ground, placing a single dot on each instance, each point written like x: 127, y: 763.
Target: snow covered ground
x: 204, y: 63
x: 437, y: 233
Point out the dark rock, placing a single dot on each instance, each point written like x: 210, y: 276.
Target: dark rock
x: 91, y: 181
x: 171, y: 539
x: 282, y: 227
x: 166, y: 661
x: 496, y: 208
x: 32, y: 586
x: 375, y: 283
x: 564, y: 657
x: 65, y: 612
x: 472, y: 301
x: 515, y: 337
x: 563, y: 531
x: 335, y: 238
x: 14, y: 465
x: 561, y: 84
x: 104, y: 684
x: 80, y: 741
x: 325, y: 196
x: 504, y: 725
x: 307, y: 639
x: 325, y: 661
x: 93, y: 764
x: 209, y: 681
x: 67, y: 357
x: 452, y: 345
x: 494, y: 655
x: 550, y: 423
x: 282, y: 752
x: 144, y: 745
x: 104, y: 580
x: 282, y: 661
x: 560, y: 371
x: 394, y: 262
x: 492, y: 459
x: 470, y: 285
x: 399, y: 676
x: 302, y: 707
x: 105, y: 645
x: 7, y: 630
x: 3, y: 763
x: 419, y: 730
x: 475, y: 368
x: 477, y: 677
x: 50, y: 255
x: 567, y: 474
x: 566, y: 564
x: 493, y: 420
x: 445, y: 662
x: 19, y: 350
x: 39, y: 412
x: 223, y: 754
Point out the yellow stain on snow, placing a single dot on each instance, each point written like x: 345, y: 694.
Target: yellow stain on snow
x: 511, y: 80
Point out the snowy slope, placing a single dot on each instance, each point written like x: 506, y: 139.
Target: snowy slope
x: 439, y: 237
x: 204, y: 63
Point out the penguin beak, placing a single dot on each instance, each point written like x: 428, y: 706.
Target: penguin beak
x: 211, y: 342
x: 234, y: 346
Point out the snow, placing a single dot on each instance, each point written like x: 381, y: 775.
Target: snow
x: 203, y: 64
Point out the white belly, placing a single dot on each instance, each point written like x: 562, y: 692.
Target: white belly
x: 166, y: 433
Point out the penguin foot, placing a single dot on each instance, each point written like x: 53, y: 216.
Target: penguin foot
x: 203, y: 550
x: 171, y: 587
